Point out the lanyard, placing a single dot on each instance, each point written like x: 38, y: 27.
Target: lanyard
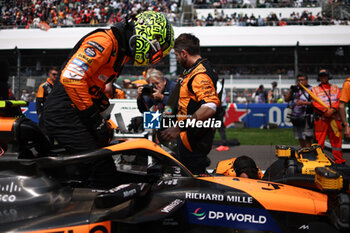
x: 189, y: 70
x: 328, y: 95
x: 304, y: 94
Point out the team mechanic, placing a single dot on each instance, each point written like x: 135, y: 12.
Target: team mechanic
x: 197, y: 100
x: 72, y: 111
x: 329, y: 94
x: 344, y: 99
x: 43, y: 92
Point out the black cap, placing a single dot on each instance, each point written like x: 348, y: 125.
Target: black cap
x: 323, y: 72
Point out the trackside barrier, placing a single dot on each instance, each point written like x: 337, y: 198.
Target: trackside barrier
x: 30, y: 112
x: 257, y: 115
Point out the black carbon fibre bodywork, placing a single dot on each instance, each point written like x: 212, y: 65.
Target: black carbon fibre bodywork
x: 150, y: 191
x: 156, y: 194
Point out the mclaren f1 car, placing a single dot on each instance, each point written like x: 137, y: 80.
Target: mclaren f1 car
x: 154, y: 192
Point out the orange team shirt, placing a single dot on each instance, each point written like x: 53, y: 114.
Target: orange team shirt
x: 345, y: 92
x: 140, y: 82
x: 203, y: 92
x: 41, y: 92
x: 119, y: 94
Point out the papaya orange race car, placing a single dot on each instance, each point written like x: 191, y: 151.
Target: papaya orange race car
x: 156, y: 192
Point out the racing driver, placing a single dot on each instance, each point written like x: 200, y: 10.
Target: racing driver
x: 72, y: 111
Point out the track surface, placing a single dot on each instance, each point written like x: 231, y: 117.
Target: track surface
x: 263, y: 155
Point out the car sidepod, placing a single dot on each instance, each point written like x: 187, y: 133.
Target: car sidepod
x: 254, y: 205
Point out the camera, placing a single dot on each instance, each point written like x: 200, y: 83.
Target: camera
x: 148, y: 89
x: 294, y: 88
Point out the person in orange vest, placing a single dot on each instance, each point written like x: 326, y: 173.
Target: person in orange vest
x: 43, y: 91
x: 329, y: 94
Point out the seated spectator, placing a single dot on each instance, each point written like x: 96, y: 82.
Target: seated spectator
x: 29, y: 14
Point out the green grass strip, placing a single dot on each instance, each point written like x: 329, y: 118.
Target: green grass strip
x: 255, y: 136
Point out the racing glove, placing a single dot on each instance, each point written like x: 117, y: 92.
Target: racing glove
x: 102, y: 131
x: 102, y: 102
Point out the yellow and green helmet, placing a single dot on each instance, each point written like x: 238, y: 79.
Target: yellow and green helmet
x: 153, y: 38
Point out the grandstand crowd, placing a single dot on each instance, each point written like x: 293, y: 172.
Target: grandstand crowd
x: 29, y: 13
x: 68, y: 13
x: 305, y: 18
x: 254, y: 4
